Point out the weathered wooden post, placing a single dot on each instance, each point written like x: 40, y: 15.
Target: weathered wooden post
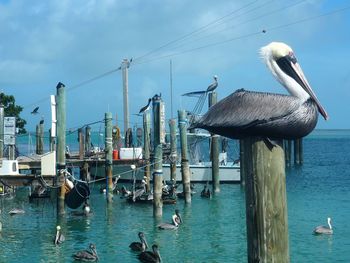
x: 139, y: 132
x: 87, y: 139
x: 288, y: 151
x: 158, y: 120
x: 2, y: 115
x: 242, y: 169
x: 298, y: 151
x: 173, y: 150
x: 266, y: 204
x: 81, y: 143
x: 61, y: 145
x: 185, y: 168
x: 109, y: 156
x: 146, y: 147
x: 37, y: 139
x: 214, y: 150
x: 41, y: 137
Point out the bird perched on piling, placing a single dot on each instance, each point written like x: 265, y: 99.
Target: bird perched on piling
x: 35, y: 111
x: 151, y: 256
x: 59, y: 238
x: 145, y: 108
x: 269, y: 115
x: 327, y: 230
x: 139, y: 246
x: 89, y: 254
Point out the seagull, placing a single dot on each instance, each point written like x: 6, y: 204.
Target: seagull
x: 16, y: 211
x: 35, y: 111
x: 145, y: 108
x: 59, y: 238
x: 324, y: 229
x: 87, y: 255
x: 269, y: 115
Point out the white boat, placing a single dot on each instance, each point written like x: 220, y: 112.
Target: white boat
x: 201, y: 172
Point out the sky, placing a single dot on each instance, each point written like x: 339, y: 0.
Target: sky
x: 46, y: 42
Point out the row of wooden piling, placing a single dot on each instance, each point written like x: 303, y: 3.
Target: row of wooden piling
x: 262, y: 173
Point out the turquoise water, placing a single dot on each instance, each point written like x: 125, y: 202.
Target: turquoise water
x: 213, y: 230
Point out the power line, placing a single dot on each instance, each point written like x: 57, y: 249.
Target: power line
x: 195, y: 31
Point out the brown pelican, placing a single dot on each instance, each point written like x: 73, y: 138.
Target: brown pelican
x: 248, y: 113
x: 87, y: 255
x: 59, y: 238
x: 324, y: 229
x: 176, y: 221
x: 150, y: 257
x: 205, y: 192
x: 139, y: 246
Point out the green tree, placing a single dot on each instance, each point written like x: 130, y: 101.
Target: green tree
x: 13, y: 110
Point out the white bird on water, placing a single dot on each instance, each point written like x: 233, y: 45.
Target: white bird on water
x: 328, y: 230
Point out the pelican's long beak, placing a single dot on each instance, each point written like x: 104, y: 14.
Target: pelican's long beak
x: 291, y: 67
x: 145, y: 241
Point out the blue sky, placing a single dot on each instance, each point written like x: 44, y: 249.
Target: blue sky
x: 46, y: 42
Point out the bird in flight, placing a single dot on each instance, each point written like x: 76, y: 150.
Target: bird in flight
x: 35, y: 111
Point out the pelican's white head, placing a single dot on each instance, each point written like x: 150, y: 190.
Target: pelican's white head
x: 281, y: 61
x: 58, y: 228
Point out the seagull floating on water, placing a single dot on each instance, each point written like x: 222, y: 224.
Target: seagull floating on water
x: 59, y: 238
x: 150, y: 257
x: 139, y: 246
x: 249, y: 113
x: 324, y: 229
x: 87, y: 255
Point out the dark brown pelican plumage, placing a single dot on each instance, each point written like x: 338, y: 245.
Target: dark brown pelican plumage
x: 248, y: 113
x: 89, y: 255
x: 139, y: 246
x: 150, y: 257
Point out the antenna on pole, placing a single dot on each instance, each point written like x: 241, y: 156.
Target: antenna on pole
x: 125, y: 65
x: 171, y: 88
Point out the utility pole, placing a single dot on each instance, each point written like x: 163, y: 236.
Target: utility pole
x: 125, y: 66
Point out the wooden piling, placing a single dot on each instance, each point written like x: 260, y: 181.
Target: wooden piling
x: 2, y: 115
x: 87, y: 139
x: 288, y: 151
x: 241, y: 162
x: 51, y: 142
x: 37, y: 135
x: 185, y: 169
x: 61, y: 145
x: 146, y: 148
x: 81, y: 143
x: 158, y: 158
x: 266, y: 204
x: 214, y: 150
x: 109, y: 156
x: 298, y: 151
x: 41, y: 137
x: 173, y: 150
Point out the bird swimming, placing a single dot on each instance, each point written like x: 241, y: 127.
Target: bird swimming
x: 139, y: 246
x: 176, y: 221
x: 145, y: 108
x: 324, y: 229
x: 59, y: 238
x: 269, y: 115
x: 151, y: 257
x: 89, y: 254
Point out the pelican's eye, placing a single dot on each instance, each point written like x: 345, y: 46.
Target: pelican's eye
x: 292, y: 58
